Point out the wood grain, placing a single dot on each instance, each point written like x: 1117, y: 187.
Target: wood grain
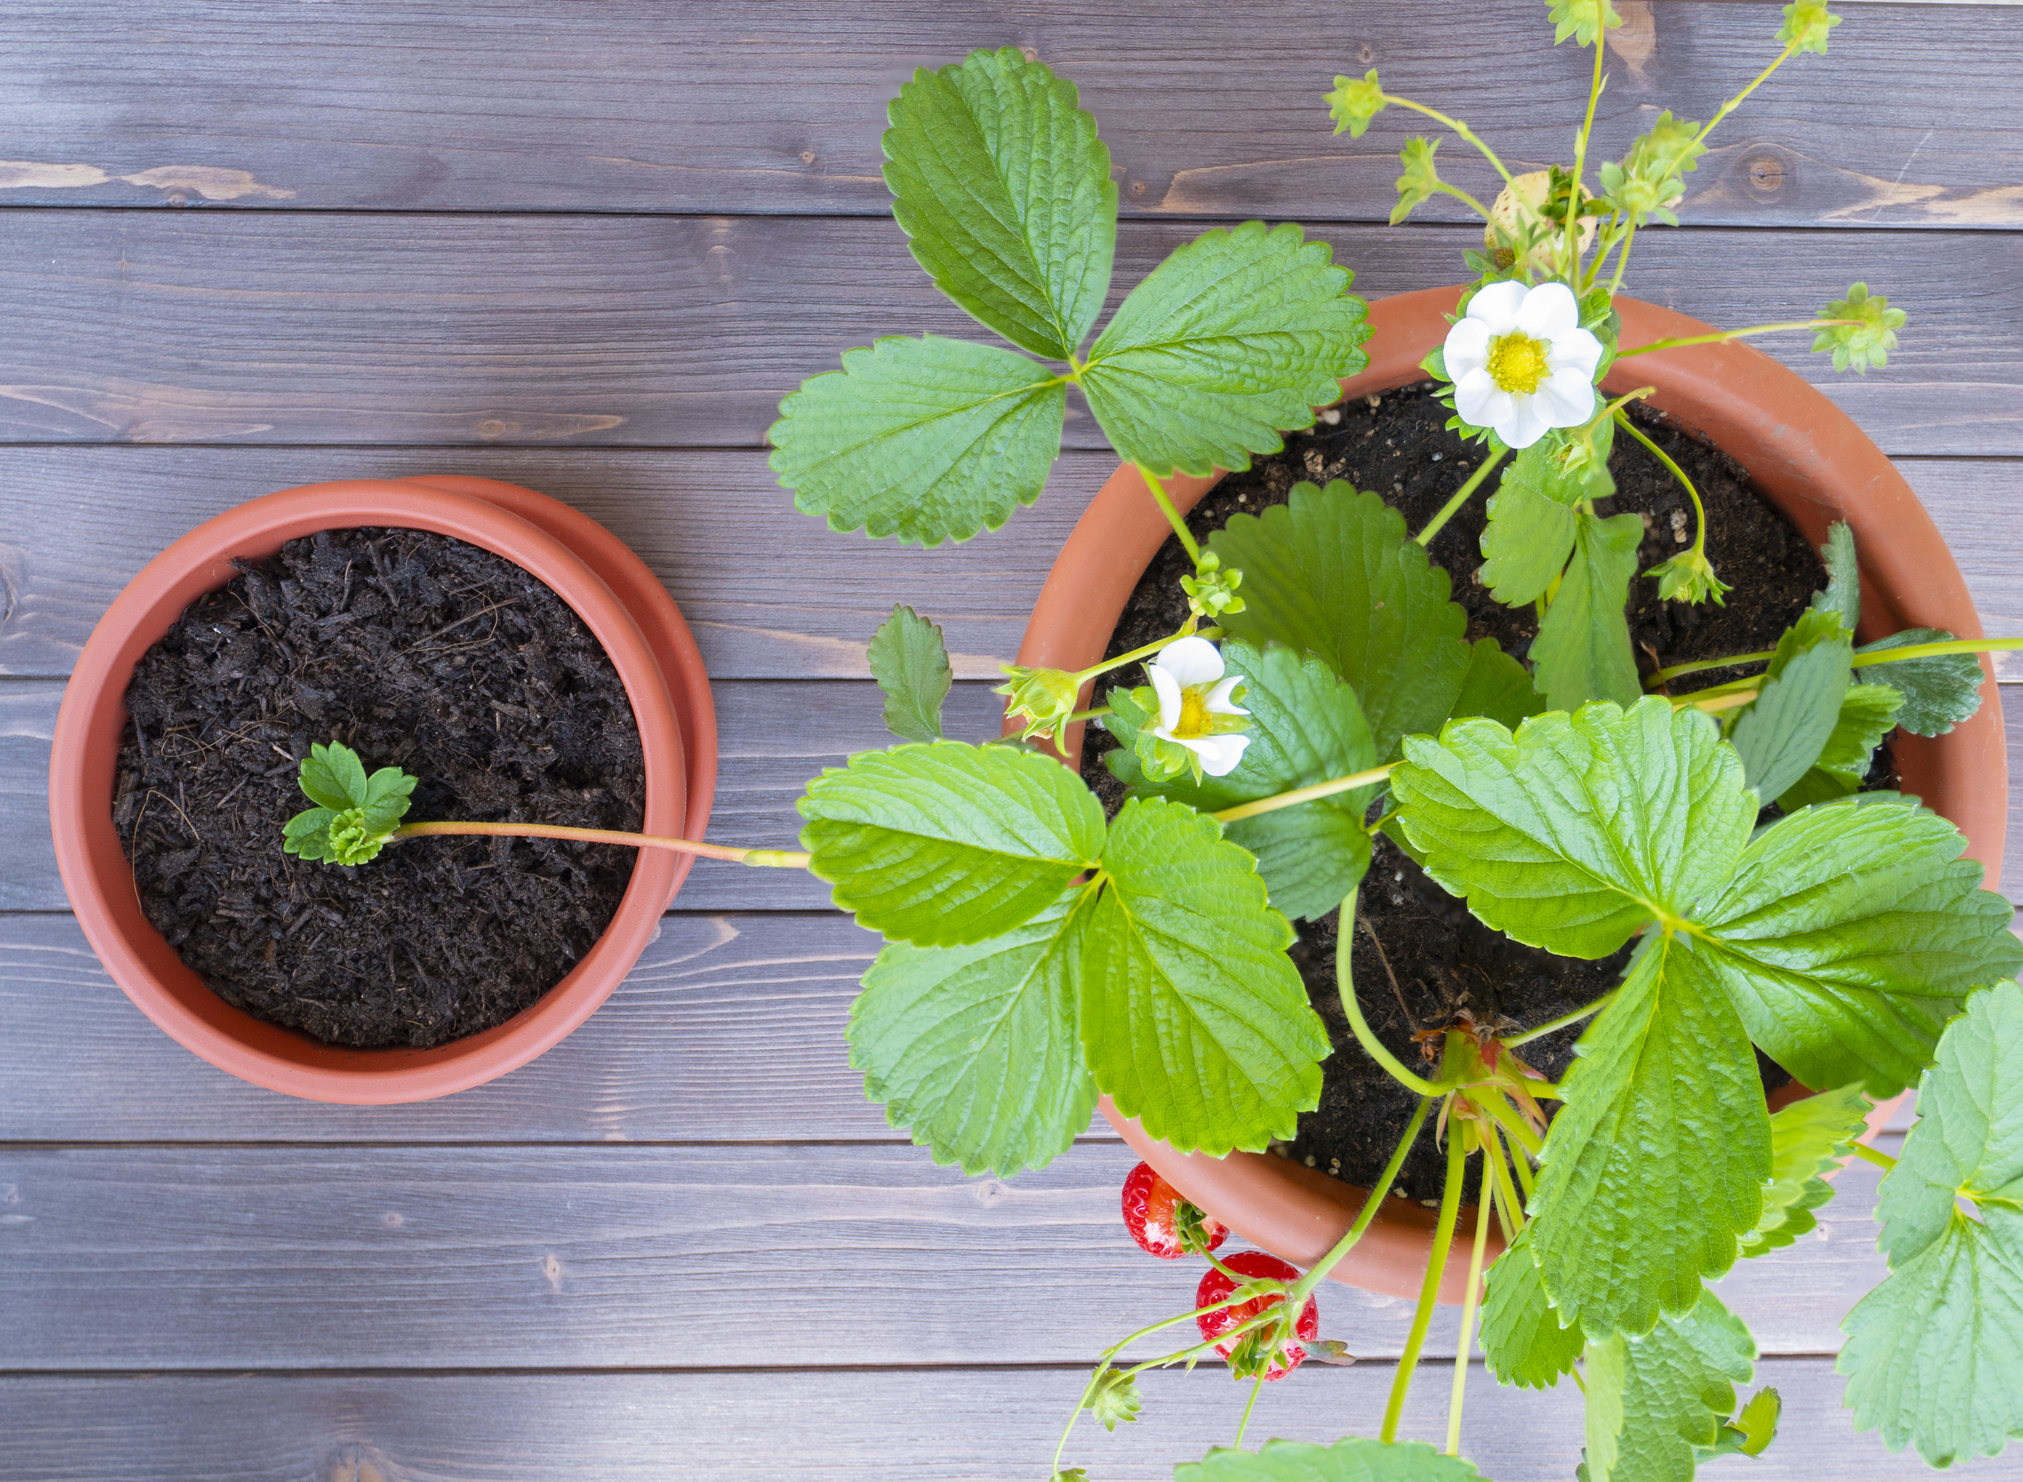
x: 694, y: 108
x: 639, y: 331
x: 538, y: 1257
x: 950, y: 1425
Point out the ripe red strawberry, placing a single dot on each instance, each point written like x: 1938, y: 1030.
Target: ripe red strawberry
x: 1164, y: 1224
x: 1245, y: 1353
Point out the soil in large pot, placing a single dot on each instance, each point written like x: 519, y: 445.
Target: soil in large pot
x: 1421, y: 958
x: 418, y: 651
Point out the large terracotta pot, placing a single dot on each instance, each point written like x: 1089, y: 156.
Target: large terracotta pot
x: 1802, y: 451
x: 602, y: 581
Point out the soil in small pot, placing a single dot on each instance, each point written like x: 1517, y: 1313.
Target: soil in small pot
x: 1421, y: 958
x: 417, y: 651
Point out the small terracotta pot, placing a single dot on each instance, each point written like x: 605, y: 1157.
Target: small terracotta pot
x: 602, y: 581
x: 1812, y: 462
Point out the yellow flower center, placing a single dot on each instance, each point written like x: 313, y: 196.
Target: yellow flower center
x: 1195, y: 720
x: 1517, y: 363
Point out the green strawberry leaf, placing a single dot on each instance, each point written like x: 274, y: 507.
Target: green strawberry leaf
x: 1655, y: 1165
x: 928, y: 439
x: 1351, y: 1459
x: 1305, y: 727
x: 387, y: 795
x: 1004, y: 191
x: 1939, y: 692
x: 910, y: 662
x: 1843, y: 576
x: 1573, y: 834
x: 1194, y: 1020
x: 1934, y: 1355
x: 1849, y: 935
x: 334, y: 777
x: 1529, y: 534
x: 308, y: 834
x: 1236, y: 337
x: 1807, y: 1138
x: 1522, y: 1340
x: 947, y: 844
x: 1582, y: 651
x: 1652, y: 1401
x: 1868, y: 712
x: 1496, y: 686
x: 1332, y: 572
x: 975, y: 1050
x: 1783, y: 732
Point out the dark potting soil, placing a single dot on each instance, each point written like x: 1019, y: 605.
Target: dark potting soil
x: 1421, y: 958
x: 417, y: 651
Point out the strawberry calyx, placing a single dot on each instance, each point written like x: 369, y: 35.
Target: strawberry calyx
x: 1269, y: 1349
x: 1163, y: 1223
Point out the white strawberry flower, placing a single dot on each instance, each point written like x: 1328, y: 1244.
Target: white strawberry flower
x: 1193, y: 691
x: 1520, y: 362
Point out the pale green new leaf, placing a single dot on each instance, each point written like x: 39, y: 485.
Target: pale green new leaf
x: 1331, y: 571
x: 1935, y: 1354
x: 1868, y: 712
x: 1807, y: 1138
x: 1522, y: 1339
x: 1497, y: 687
x: 1236, y: 337
x: 1529, y: 535
x: 308, y: 834
x: 1784, y: 731
x: 1194, y: 1020
x: 910, y: 662
x: 1582, y: 651
x: 1004, y: 189
x: 387, y: 794
x: 1655, y: 1165
x: 976, y: 1050
x: 1305, y: 728
x: 1652, y: 1400
x: 928, y: 439
x: 334, y: 777
x: 1351, y: 1459
x: 948, y: 843
x: 1576, y: 832
x: 1939, y: 691
x: 1850, y: 934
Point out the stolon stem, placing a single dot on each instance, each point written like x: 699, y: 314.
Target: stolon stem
x: 778, y: 858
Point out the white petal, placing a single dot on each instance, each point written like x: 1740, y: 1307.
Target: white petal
x: 1567, y: 398
x: 1548, y: 311
x: 1474, y: 398
x: 1525, y: 425
x: 1497, y: 306
x: 1217, y: 702
x: 1574, y: 349
x: 1467, y: 348
x: 1169, y: 700
x: 1219, y: 754
x: 1191, y: 661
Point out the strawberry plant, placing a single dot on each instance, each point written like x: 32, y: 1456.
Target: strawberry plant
x: 1320, y: 691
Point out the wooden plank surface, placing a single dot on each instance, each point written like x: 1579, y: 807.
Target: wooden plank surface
x: 949, y: 1425
x: 644, y: 106
x: 387, y: 329
x: 147, y: 1256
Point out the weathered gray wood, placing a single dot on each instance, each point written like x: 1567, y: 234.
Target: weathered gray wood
x: 530, y: 1257
x: 640, y: 331
x: 645, y: 106
x: 769, y: 593
x: 969, y: 1425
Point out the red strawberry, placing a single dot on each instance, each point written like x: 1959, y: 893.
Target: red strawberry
x: 1246, y: 1353
x: 1161, y: 1221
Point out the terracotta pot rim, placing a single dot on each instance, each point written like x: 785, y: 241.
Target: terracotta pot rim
x: 1804, y: 453
x: 562, y: 548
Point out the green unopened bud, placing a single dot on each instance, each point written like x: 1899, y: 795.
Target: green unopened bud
x: 1044, y: 697
x: 1355, y: 101
x: 1806, y: 24
x: 1865, y: 342
x: 1211, y: 591
x: 1689, y: 577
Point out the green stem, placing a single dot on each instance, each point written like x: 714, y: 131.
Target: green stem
x: 1561, y: 1022
x: 1372, y: 1206
x: 1083, y: 676
x: 1735, y: 102
x: 1079, y: 715
x: 1345, y: 989
x: 1699, y: 666
x: 1459, y: 128
x: 1172, y: 515
x: 1580, y: 142
x: 1452, y: 506
x: 1869, y: 1155
x: 1934, y: 650
x: 777, y: 858
x: 1248, y: 1405
x: 1699, y: 510
x: 1622, y: 262
x: 1429, y: 1290
x: 1720, y: 337
x: 1300, y: 795
x: 1524, y: 1180
x: 1462, y: 196
x: 1493, y: 1103
x: 1507, y: 1200
x: 1468, y: 1310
